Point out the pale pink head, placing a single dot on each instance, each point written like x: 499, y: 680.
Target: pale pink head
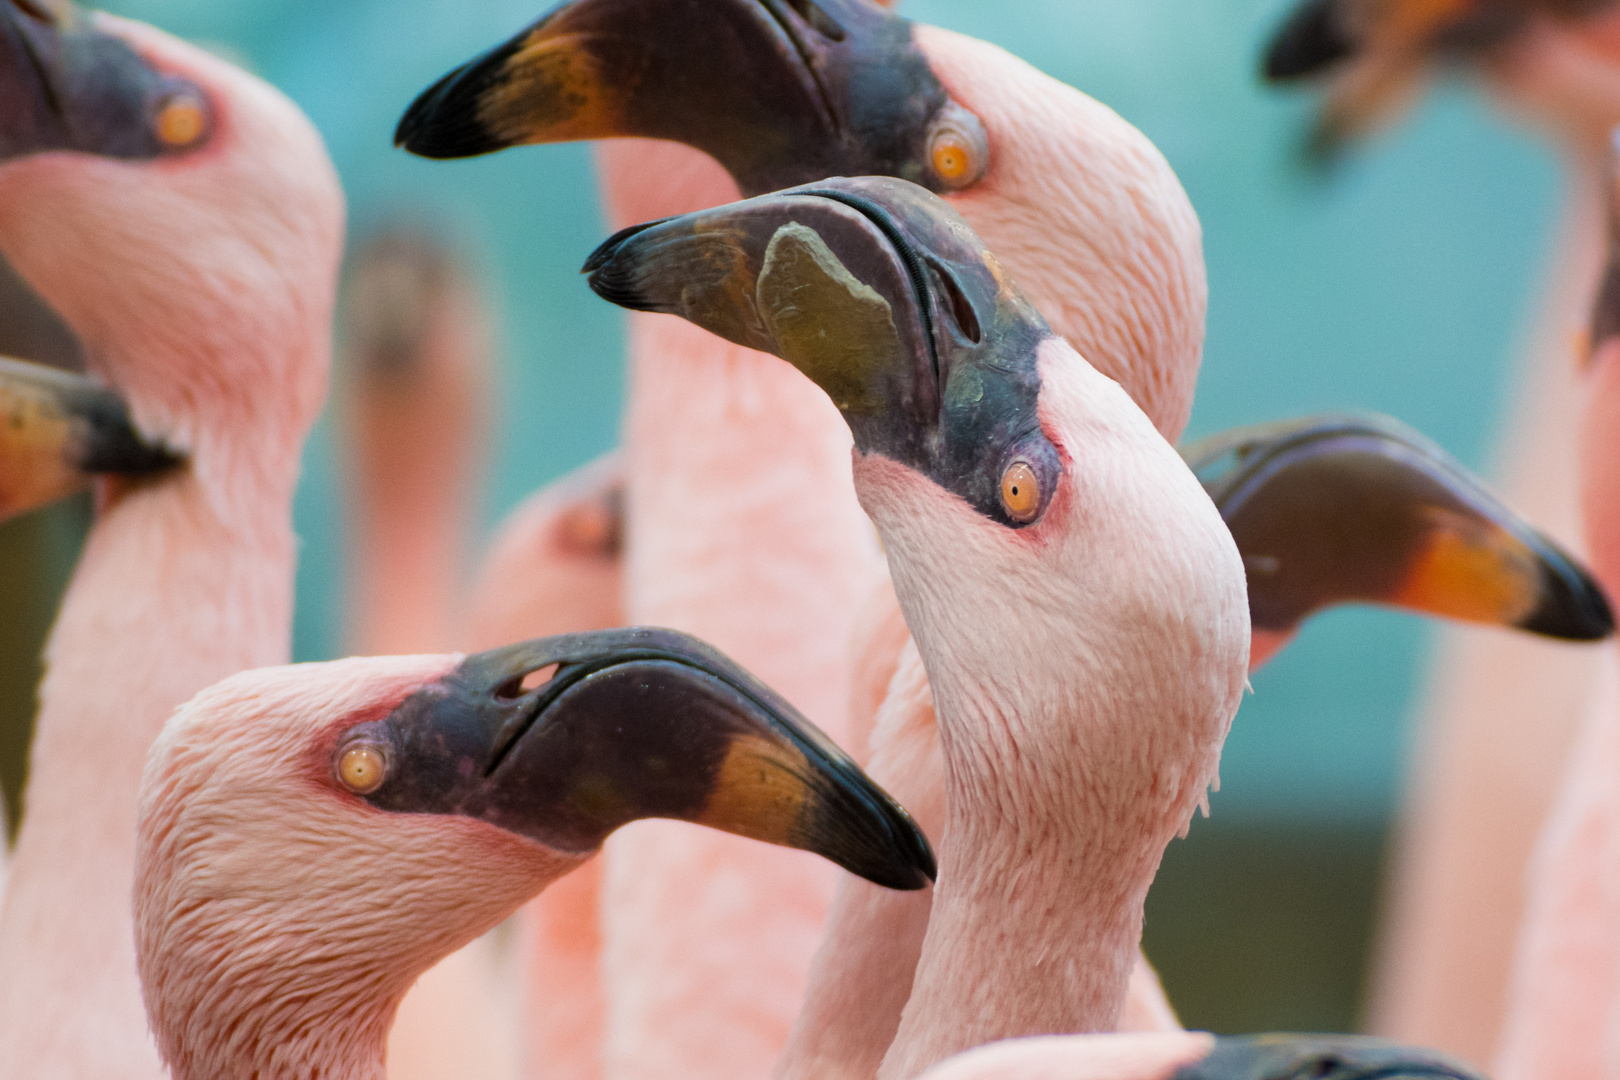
x: 1049, y: 548
x: 200, y: 276
x: 313, y: 838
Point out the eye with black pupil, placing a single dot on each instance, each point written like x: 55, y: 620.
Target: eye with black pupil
x: 823, y: 23
x: 961, y: 311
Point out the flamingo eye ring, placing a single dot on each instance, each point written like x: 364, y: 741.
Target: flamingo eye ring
x: 362, y: 767
x: 1021, y: 492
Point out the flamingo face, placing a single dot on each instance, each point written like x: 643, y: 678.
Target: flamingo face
x: 884, y: 297
x: 66, y: 84
x: 312, y: 838
x: 1555, y: 56
x: 833, y: 88
x: 139, y: 254
x: 630, y: 724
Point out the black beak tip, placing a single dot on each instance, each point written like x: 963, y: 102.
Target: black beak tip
x: 619, y: 281
x: 1310, y: 40
x: 1574, y: 607
x: 443, y: 122
x: 890, y: 850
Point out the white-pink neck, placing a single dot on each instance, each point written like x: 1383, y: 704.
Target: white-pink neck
x: 184, y: 580
x: 1084, y: 674
x: 1066, y: 888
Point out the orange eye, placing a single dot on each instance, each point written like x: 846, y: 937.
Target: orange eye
x: 952, y: 157
x: 362, y: 769
x: 1021, y: 492
x: 958, y: 149
x: 181, y: 121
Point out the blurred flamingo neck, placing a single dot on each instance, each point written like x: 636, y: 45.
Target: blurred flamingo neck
x: 185, y: 579
x: 178, y: 587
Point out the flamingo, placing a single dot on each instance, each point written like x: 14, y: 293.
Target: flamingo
x: 1485, y: 781
x: 741, y: 272
x: 184, y: 220
x: 313, y: 838
x: 1085, y: 231
x: 1563, y: 1015
x: 1007, y: 477
x: 301, y: 774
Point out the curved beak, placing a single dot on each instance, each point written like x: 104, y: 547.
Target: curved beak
x: 59, y: 431
x: 66, y: 85
x: 635, y: 724
x: 1328, y: 1057
x: 1360, y: 509
x: 881, y: 294
x: 780, y: 92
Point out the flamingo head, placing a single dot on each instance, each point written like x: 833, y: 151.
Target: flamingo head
x: 1046, y: 542
x: 313, y: 838
x: 1557, y: 60
x: 180, y: 214
x: 1079, y: 204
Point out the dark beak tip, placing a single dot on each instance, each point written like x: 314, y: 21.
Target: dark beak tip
x: 1575, y: 609
x: 442, y: 123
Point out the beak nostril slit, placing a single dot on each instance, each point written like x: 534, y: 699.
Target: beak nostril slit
x: 537, y: 678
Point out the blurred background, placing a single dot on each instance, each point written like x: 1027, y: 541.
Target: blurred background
x: 1399, y: 283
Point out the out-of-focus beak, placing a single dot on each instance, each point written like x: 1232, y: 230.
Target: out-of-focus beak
x: 884, y: 297
x: 1344, y: 509
x: 632, y: 724
x: 1322, y: 1057
x: 780, y: 92
x: 1315, y: 36
x: 66, y: 85
x: 58, y: 430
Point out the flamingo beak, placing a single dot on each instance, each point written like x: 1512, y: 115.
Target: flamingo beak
x: 881, y: 294
x: 1314, y: 38
x: 1361, y: 509
x: 67, y: 85
x: 780, y: 92
x: 59, y: 431
x: 1330, y: 1057
x: 634, y: 724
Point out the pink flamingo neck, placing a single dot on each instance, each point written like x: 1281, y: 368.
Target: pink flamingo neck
x: 743, y: 529
x: 183, y: 581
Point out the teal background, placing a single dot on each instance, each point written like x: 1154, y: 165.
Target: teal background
x: 1396, y: 284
